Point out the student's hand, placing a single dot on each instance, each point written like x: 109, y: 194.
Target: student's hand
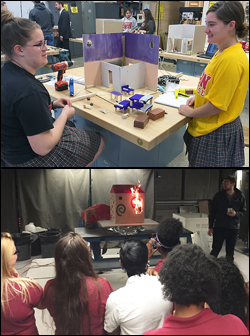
x: 151, y: 271
x: 185, y: 110
x: 69, y: 111
x: 231, y: 213
x: 61, y: 102
x: 61, y: 38
x: 190, y: 102
x: 151, y: 249
x: 210, y: 232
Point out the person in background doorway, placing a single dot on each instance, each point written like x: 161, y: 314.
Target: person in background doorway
x: 77, y: 296
x: 134, y: 308
x: 166, y: 238
x: 190, y: 278
x: 225, y: 211
x: 64, y: 31
x: 214, y: 137
x: 148, y: 26
x: 44, y: 17
x: 90, y: 218
x: 19, y: 295
x: 129, y: 23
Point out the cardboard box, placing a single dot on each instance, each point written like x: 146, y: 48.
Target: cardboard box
x: 193, y: 221
x: 122, y: 208
x: 105, y: 26
x: 204, y: 206
x: 169, y: 12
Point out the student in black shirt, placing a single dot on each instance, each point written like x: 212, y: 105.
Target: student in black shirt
x: 29, y: 135
x: 148, y: 26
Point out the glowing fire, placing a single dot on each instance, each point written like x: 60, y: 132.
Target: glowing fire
x: 137, y: 202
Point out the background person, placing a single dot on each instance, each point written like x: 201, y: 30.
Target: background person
x: 225, y: 211
x: 139, y: 305
x: 44, y: 17
x: 64, y: 31
x: 90, y: 218
x: 129, y: 23
x: 19, y: 295
x: 214, y: 137
x: 190, y: 278
x: 76, y: 297
x: 148, y: 26
x: 166, y: 238
x: 29, y: 135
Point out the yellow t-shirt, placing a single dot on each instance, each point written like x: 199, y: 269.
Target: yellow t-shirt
x: 224, y: 83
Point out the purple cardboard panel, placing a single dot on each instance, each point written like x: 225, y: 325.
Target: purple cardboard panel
x: 137, y: 46
x: 103, y: 46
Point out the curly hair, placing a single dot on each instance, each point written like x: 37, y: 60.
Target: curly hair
x: 169, y: 231
x: 134, y: 257
x: 233, y: 298
x: 189, y: 276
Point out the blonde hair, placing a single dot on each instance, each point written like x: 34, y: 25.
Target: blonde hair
x: 15, y: 31
x: 8, y: 280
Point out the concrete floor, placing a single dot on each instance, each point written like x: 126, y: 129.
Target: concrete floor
x: 117, y: 278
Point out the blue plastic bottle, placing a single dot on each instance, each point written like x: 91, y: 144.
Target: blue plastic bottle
x: 71, y: 87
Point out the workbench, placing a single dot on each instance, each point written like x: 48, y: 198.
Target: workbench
x: 103, y: 234
x: 154, y: 146
x: 187, y: 64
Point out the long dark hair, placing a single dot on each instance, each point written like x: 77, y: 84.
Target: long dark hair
x: 72, y: 260
x: 148, y: 17
x: 228, y: 11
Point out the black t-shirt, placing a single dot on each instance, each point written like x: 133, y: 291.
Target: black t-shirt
x: 24, y: 112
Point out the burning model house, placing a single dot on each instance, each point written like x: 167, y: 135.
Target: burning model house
x: 127, y: 204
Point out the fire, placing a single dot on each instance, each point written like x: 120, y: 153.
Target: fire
x: 137, y: 202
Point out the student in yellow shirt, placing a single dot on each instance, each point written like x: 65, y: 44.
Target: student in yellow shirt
x: 214, y: 137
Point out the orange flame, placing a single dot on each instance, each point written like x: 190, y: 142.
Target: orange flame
x: 137, y: 201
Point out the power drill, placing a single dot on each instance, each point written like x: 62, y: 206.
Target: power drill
x: 61, y: 85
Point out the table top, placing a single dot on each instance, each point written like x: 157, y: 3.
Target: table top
x: 149, y: 137
x: 109, y: 223
x: 103, y: 233
x: 191, y: 58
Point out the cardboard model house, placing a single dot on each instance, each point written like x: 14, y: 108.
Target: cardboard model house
x: 126, y: 206
x: 121, y: 59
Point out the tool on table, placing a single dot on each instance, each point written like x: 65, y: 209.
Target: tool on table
x: 162, y: 80
x: 71, y: 87
x: 61, y: 85
x: 43, y: 79
x: 87, y: 106
x: 184, y: 92
x: 161, y: 88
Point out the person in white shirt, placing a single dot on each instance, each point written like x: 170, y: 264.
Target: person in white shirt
x: 138, y: 306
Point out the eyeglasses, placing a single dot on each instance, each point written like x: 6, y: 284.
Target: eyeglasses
x: 17, y: 251
x: 41, y: 44
x: 226, y: 182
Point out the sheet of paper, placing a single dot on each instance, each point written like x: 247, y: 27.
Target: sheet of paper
x: 169, y: 99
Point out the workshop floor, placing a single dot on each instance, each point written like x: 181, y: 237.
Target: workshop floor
x: 117, y: 278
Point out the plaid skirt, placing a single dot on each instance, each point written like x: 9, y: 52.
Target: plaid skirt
x: 224, y: 147
x: 76, y: 148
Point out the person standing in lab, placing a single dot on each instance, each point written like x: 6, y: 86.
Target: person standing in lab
x: 225, y: 211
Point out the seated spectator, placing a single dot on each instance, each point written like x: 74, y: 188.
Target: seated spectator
x: 190, y: 278
x: 129, y: 23
x: 77, y: 296
x: 134, y: 308
x: 147, y: 26
x: 166, y: 238
x: 233, y: 298
x: 18, y: 295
